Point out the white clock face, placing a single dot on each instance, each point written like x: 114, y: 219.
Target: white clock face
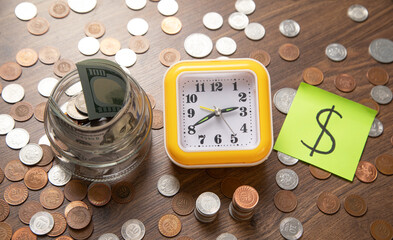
x: 217, y: 111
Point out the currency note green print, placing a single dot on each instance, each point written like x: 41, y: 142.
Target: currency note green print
x: 325, y: 130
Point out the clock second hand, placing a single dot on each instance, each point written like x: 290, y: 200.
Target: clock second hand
x: 218, y: 113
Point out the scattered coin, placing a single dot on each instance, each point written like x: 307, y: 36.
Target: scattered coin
x: 58, y: 176
x: 226, y: 46
x: 94, y: 29
x: 125, y: 57
x: 198, y: 45
x: 336, y: 52
x: 380, y: 94
x: 376, y: 129
x: 212, y: 20
x: 75, y: 190
x: 15, y: 170
x: 31, y: 154
x: 136, y: 4
x: 357, y: 13
x: 345, y: 83
x: 59, y: 226
x: 381, y: 230
x: 88, y: 46
x: 28, y: 209
x: 245, y: 6
x: 287, y: 179
x: 5, y: 231
x: 206, y: 207
x: 169, y: 225
x: 21, y: 111
x: 41, y: 223
x: 328, y: 203
x: 26, y: 57
x: 123, y: 192
x: 313, y: 76
x: 13, y: 93
x: 289, y: 28
x: 17, y: 138
x: 38, y: 26
x: 283, y: 99
x: 245, y: 198
x: 44, y: 140
x: 285, y: 201
x: 39, y: 111
x: 289, y: 52
x: 226, y: 236
x: 366, y: 172
x: 158, y: 119
x: 137, y: 26
x: 109, y: 46
x: 108, y: 236
x: 59, y: 9
x: 64, y: 237
x: 152, y: 100
x: 183, y: 203
x: 4, y: 210
x: 133, y: 229
x: 82, y: 6
x: 384, y: 164
x: 74, y: 204
x: 25, y: 11
x: 291, y: 228
x: 99, y: 194
x: 51, y: 197
x: 229, y: 185
x: 48, y: 55
x: 381, y: 49
x: 254, y: 31
x: 139, y: 44
x: 36, y: 178
x: 262, y: 56
x: 238, y: 20
x: 169, y: 56
x: 171, y: 25
x: 46, y: 86
x: 370, y: 103
x: 168, y: 7
x: 355, y: 205
x: 10, y: 71
x: 319, y: 173
x: 84, y: 233
x: 63, y: 66
x: 15, y: 193
x: 286, y: 159
x: 24, y: 233
x: 78, y: 217
x: 377, y: 76
x: 168, y: 185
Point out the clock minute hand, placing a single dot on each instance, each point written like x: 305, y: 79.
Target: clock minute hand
x: 204, y: 119
x: 228, y: 109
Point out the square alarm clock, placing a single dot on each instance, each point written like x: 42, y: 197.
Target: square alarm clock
x: 217, y: 113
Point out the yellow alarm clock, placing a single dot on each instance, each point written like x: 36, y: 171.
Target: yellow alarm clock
x: 217, y: 113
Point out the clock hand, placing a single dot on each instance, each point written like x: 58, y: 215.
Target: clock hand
x: 229, y: 109
x: 219, y: 112
x: 204, y: 119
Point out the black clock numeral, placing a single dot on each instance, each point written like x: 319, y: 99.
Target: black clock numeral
x: 191, y: 130
x: 244, y: 128
x: 217, y: 86
x: 200, y: 87
x: 234, y: 86
x: 218, y: 139
x: 242, y: 97
x: 201, y: 138
x: 243, y: 111
x: 191, y: 112
x: 191, y: 98
x: 234, y: 139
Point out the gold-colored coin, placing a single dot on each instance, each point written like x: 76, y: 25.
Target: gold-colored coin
x: 26, y: 57
x: 171, y: 25
x: 169, y: 225
x: 110, y: 46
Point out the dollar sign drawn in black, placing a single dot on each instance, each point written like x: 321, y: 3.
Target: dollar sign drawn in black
x: 324, y: 130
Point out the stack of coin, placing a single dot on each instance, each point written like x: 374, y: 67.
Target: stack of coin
x: 244, y: 200
x: 207, y: 206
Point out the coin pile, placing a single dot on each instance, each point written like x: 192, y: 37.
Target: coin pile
x: 207, y: 206
x: 245, y: 198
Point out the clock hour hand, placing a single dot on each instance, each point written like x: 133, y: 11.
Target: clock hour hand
x: 228, y: 109
x: 204, y: 119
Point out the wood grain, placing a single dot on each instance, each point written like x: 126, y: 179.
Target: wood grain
x: 321, y: 22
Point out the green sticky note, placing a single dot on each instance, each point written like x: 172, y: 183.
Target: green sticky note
x: 325, y: 130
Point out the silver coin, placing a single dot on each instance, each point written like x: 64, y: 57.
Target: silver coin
x: 136, y: 4
x: 238, y: 20
x: 137, y: 26
x: 73, y: 113
x: 255, y: 31
x: 31, y: 154
x: 208, y: 204
x: 88, y: 46
x: 7, y: 123
x: 168, y: 185
x: 376, y: 129
x: 287, y: 179
x: 80, y: 103
x: 41, y: 223
x: 13, y: 93
x: 336, y: 52
x: 381, y: 49
x: 357, y: 13
x: 226, y: 46
x: 198, y: 45
x: 283, y: 99
x: 46, y: 85
x: 125, y: 57
x: 74, y: 89
x: 226, y: 236
x: 133, y: 229
x: 108, y: 236
x: 25, y: 11
x: 245, y: 6
x: 17, y: 138
x: 82, y: 6
x: 167, y: 7
x: 381, y: 94
x: 291, y: 228
x: 58, y: 176
x: 44, y: 140
x: 289, y: 28
x: 286, y: 159
x: 212, y: 20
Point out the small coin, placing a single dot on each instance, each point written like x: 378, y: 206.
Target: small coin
x: 319, y: 173
x: 99, y: 194
x: 169, y: 225
x: 168, y: 185
x: 38, y: 26
x: 238, y: 20
x: 28, y: 209
x: 366, y: 172
x: 5, y: 231
x: 73, y: 112
x: 17, y: 138
x: 208, y: 204
x: 313, y: 76
x: 381, y: 49
x: 376, y: 129
x: 336, y: 52
x: 81, y: 234
x: 245, y: 6
x: 10, y: 71
x: 133, y: 229
x: 58, y: 176
x: 168, y: 7
x: 21, y: 111
x: 125, y: 57
x: 88, y: 46
x: 262, y: 56
x: 39, y: 111
x: 75, y: 190
x: 198, y: 45
x: 13, y: 93
x: 78, y: 217
x: 381, y: 230
x: 355, y: 205
x: 254, y: 31
x: 26, y: 57
x: 384, y: 164
x: 109, y: 46
x: 245, y: 198
x: 229, y: 186
x: 31, y: 154
x: 183, y: 203
x: 212, y: 20
x: 285, y: 201
x: 60, y: 225
x: 82, y: 6
x: 74, y: 89
x: 36, y: 178
x: 291, y: 228
x: 137, y: 26
x: 48, y: 55
x: 4, y: 210
x: 286, y: 159
x: 226, y: 236
x: 59, y: 9
x: 357, y: 13
x: 171, y: 25
x: 63, y: 237
x: 377, y: 76
x: 15, y: 170
x: 345, y: 83
x: 226, y: 46
x: 94, y: 29
x: 370, y: 103
x: 63, y: 66
x: 108, y: 236
x: 41, y: 223
x: 80, y: 103
x: 47, y: 167
x: 15, y: 193
x: 73, y: 204
x: 289, y: 28
x: 139, y: 44
x: 158, y: 119
x: 283, y: 99
x: 51, y: 198
x: 152, y: 100
x: 289, y: 52
x: 169, y: 56
x: 44, y: 140
x: 24, y: 233
x: 123, y: 192
x: 287, y: 179
x: 25, y: 11
x: 328, y: 203
x: 380, y: 94
x: 136, y: 4
x: 47, y: 155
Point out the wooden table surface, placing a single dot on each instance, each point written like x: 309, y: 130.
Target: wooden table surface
x: 321, y: 22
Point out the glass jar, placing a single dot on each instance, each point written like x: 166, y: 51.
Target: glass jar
x: 107, y: 150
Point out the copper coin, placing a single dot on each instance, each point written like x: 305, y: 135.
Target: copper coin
x: 21, y: 111
x: 366, y: 172
x: 183, y: 203
x: 289, y: 52
x: 28, y: 209
x: 152, y: 100
x: 36, y: 178
x: 47, y: 155
x: 217, y: 173
x: 319, y: 173
x: 381, y: 230
x: 78, y: 217
x: 109, y: 46
x: 391, y: 140
x: 285, y: 201
x: 74, y: 204
x: 123, y: 192
x: 2, y: 175
x: 24, y: 233
x: 38, y: 26
x: 49, y: 55
x: 5, y: 231
x: 99, y: 194
x: 158, y: 119
x: 171, y: 25
x: 26, y: 57
x: 39, y: 111
x: 47, y: 167
x: 81, y: 234
x: 60, y: 225
x: 245, y: 197
x: 16, y: 193
x: 345, y: 83
x: 229, y: 185
x: 313, y: 76
x: 51, y: 197
x: 59, y: 9
x: 4, y: 210
x: 10, y: 71
x: 75, y: 190
x: 368, y: 102
x: 64, y: 238
x: 355, y: 205
x: 139, y: 44
x: 169, y: 225
x: 328, y: 203
x: 384, y: 164
x: 63, y: 66
x: 262, y: 56
x: 94, y: 29
x: 15, y: 170
x: 377, y: 76
x: 169, y: 56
